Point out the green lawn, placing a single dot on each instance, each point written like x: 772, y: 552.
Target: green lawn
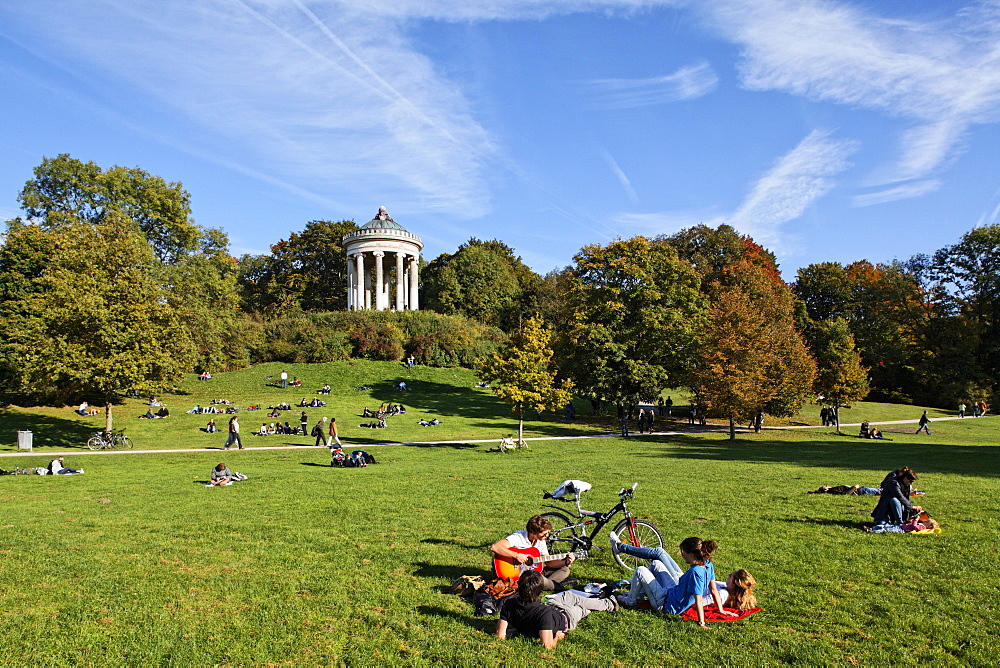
x: 138, y: 563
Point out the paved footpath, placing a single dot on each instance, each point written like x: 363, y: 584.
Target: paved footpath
x: 694, y: 430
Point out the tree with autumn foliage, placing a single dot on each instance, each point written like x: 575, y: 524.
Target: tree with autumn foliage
x: 522, y: 374
x: 841, y: 379
x: 752, y: 359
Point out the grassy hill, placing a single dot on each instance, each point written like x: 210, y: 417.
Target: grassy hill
x: 137, y: 562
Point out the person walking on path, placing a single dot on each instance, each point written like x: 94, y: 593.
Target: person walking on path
x: 624, y: 423
x: 961, y: 410
x: 234, y: 433
x: 924, y: 420
x: 319, y: 431
x: 670, y: 407
x: 334, y: 434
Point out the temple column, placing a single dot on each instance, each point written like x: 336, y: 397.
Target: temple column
x: 379, y: 286
x: 414, y: 282
x: 359, y: 281
x: 399, y: 281
x: 350, y: 284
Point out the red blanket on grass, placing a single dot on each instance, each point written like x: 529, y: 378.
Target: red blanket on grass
x: 713, y: 615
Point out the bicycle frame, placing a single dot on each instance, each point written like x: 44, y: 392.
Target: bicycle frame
x: 599, y: 520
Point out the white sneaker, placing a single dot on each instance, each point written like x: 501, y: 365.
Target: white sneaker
x: 614, y: 542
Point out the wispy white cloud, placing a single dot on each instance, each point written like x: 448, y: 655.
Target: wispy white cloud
x: 905, y: 191
x: 331, y: 96
x: 686, y: 83
x: 991, y: 217
x: 943, y: 75
x: 781, y: 195
x: 621, y: 176
x: 796, y: 181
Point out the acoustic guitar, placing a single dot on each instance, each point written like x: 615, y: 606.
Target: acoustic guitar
x: 508, y: 569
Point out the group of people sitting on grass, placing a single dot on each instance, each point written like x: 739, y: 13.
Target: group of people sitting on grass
x: 869, y: 431
x: 894, y: 512
x: 324, y: 390
x: 384, y: 410
x: 161, y: 413
x: 276, y: 428
x: 198, y: 409
x: 86, y: 409
x: 433, y: 422
x: 315, y: 403
x: 662, y: 585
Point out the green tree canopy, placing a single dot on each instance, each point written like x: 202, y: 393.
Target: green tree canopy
x: 307, y: 271
x: 98, y: 323
x: 522, y: 373
x: 67, y: 191
x: 636, y: 310
x: 483, y: 280
x: 841, y: 378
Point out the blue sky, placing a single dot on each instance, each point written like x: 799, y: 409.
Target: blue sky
x: 827, y: 130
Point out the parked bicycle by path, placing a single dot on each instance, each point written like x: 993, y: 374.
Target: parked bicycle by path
x: 570, y: 530
x: 110, y: 440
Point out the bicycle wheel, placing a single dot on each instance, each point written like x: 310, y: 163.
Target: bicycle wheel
x: 95, y: 443
x: 646, y: 535
x: 565, y: 534
x: 126, y: 443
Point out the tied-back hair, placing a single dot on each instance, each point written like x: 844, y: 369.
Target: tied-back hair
x: 907, y: 473
x: 741, y: 596
x: 701, y: 549
x: 529, y: 587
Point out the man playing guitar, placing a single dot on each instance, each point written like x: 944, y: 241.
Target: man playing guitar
x: 554, y: 573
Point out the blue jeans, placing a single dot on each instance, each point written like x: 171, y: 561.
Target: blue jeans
x: 654, y: 582
x: 893, y: 514
x: 869, y: 491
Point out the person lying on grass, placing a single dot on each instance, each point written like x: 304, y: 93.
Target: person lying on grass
x: 667, y: 587
x: 221, y: 475
x: 524, y: 613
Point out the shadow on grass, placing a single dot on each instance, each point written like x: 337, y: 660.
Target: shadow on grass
x: 823, y: 521
x: 453, y: 446
x: 324, y: 466
x: 454, y: 543
x: 50, y: 432
x: 484, y: 624
x: 857, y: 454
x: 447, y: 572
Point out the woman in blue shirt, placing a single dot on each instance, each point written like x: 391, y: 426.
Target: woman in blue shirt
x: 667, y: 587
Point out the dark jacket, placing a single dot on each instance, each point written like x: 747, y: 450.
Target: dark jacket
x: 893, y: 487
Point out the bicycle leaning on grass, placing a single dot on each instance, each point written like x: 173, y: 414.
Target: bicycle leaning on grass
x: 110, y: 440
x: 570, y: 531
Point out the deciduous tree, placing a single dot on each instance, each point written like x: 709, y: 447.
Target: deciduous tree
x: 636, y: 310
x: 841, y: 378
x: 97, y: 323
x: 522, y: 373
x: 752, y: 359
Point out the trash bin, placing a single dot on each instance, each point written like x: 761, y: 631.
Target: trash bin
x: 24, y: 440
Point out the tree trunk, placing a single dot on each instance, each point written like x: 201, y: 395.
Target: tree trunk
x: 107, y: 417
x: 836, y: 415
x: 520, y: 423
x: 732, y: 428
